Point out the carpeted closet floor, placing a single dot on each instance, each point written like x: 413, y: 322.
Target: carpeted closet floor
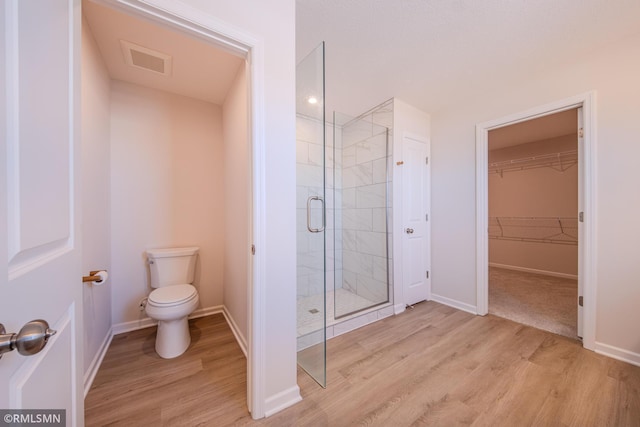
x: 544, y: 302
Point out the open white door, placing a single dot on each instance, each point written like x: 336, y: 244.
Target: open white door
x: 40, y: 275
x: 415, y: 197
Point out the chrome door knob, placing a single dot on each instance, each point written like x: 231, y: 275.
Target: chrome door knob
x: 409, y: 230
x: 30, y: 340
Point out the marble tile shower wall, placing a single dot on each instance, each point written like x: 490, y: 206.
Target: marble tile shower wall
x: 356, y: 202
x: 366, y: 153
x: 311, y: 268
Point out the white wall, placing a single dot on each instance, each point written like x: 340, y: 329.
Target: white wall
x: 273, y: 23
x: 167, y: 190
x: 96, y: 242
x: 613, y: 73
x: 237, y: 202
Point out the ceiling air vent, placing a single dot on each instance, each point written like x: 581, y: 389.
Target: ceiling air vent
x: 146, y: 59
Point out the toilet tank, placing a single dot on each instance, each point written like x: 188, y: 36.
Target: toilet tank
x: 172, y: 266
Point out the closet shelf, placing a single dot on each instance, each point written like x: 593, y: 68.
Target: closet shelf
x: 558, y: 161
x: 555, y: 230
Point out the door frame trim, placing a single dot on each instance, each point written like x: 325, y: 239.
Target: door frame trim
x: 587, y: 263
x: 184, y: 18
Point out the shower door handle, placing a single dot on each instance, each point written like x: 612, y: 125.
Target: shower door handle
x: 309, y: 200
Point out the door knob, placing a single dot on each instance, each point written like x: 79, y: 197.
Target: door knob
x: 409, y: 230
x: 30, y: 340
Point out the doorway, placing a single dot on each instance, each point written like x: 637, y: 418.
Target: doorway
x: 533, y: 222
x: 179, y: 157
x: 585, y: 303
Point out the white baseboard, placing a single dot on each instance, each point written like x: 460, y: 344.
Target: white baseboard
x: 242, y: 342
x: 534, y: 271
x: 617, y: 353
x: 134, y: 325
x: 146, y: 322
x: 399, y: 308
x: 282, y: 400
x: 90, y: 375
x: 455, y: 303
x: 203, y: 312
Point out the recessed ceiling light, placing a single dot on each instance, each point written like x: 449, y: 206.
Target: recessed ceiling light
x: 312, y: 100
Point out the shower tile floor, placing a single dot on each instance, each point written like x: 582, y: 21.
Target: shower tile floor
x: 310, y: 309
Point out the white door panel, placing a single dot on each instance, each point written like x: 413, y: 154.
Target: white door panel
x: 415, y: 276
x: 41, y: 278
x: 415, y: 256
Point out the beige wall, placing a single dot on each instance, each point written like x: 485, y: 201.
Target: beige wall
x: 613, y: 72
x: 96, y: 242
x: 539, y: 192
x: 237, y: 201
x: 167, y: 190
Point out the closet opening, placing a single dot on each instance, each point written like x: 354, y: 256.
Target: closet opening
x: 511, y: 223
x: 533, y: 222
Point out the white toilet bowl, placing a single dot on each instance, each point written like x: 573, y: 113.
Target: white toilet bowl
x: 171, y: 306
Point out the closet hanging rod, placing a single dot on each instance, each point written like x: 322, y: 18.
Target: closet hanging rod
x: 560, y: 230
x: 532, y: 240
x: 559, y: 161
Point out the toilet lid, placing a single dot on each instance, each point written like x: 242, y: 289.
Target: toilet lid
x: 173, y: 294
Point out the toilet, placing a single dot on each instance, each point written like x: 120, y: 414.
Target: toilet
x: 173, y: 297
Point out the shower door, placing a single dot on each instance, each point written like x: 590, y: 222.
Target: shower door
x: 311, y: 215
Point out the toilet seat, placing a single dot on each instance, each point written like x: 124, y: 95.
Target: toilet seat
x: 172, y: 295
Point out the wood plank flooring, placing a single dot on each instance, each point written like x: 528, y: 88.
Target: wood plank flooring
x: 432, y: 366
x: 135, y: 387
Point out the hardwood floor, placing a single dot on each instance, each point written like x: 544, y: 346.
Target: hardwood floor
x: 431, y: 366
x: 205, y: 386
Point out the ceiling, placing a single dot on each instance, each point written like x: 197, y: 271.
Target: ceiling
x: 435, y: 53
x: 199, y: 70
x: 540, y: 129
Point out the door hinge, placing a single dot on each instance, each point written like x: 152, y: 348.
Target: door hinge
x: 426, y: 217
x: 253, y: 249
x: 427, y: 274
x: 427, y: 160
x: 580, y: 301
x: 581, y: 133
x: 581, y: 216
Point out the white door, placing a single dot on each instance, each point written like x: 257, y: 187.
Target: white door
x: 415, y: 203
x: 40, y: 275
x: 581, y: 240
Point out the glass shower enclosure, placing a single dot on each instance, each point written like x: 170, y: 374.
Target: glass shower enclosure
x: 362, y: 198
x: 311, y: 223
x: 343, y: 212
